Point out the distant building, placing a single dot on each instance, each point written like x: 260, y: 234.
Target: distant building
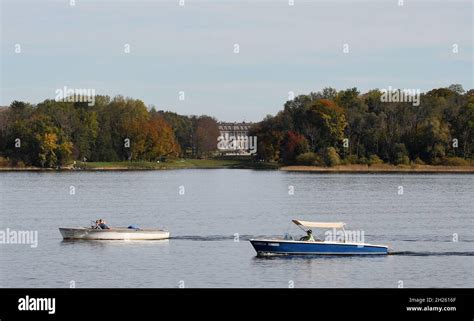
x: 232, y: 133
x: 235, y: 129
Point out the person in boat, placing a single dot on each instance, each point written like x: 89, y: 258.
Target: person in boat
x: 309, y: 236
x: 102, y: 225
x: 96, y: 225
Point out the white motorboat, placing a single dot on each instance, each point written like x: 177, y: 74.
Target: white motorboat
x: 116, y: 233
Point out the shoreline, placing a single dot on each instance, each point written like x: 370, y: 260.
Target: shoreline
x: 149, y: 166
x: 384, y: 168
x: 355, y: 168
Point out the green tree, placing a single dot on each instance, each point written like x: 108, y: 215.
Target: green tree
x: 325, y: 124
x: 331, y: 157
x: 434, y: 135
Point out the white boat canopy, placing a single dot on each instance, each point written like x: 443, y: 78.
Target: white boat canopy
x: 320, y: 224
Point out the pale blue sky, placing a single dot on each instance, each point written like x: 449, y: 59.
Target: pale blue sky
x: 282, y: 48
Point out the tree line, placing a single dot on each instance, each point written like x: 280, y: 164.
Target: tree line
x: 323, y: 128
x: 333, y: 127
x: 52, y: 133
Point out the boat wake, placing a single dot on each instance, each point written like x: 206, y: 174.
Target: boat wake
x: 212, y: 237
x: 432, y: 240
x: 412, y: 253
x: 406, y: 238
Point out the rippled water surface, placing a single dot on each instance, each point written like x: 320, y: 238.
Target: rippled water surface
x: 220, y: 210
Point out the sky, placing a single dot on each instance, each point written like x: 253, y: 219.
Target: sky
x: 282, y: 49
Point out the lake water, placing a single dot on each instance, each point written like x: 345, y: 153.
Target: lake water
x: 220, y: 210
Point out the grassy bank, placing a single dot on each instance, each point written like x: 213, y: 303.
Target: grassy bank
x: 171, y: 164
x: 180, y: 164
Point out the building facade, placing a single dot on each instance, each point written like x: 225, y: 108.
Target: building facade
x: 234, y: 138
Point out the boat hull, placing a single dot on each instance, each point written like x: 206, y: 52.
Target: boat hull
x: 287, y: 247
x: 113, y: 234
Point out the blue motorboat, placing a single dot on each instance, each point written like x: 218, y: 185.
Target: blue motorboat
x: 337, y: 241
